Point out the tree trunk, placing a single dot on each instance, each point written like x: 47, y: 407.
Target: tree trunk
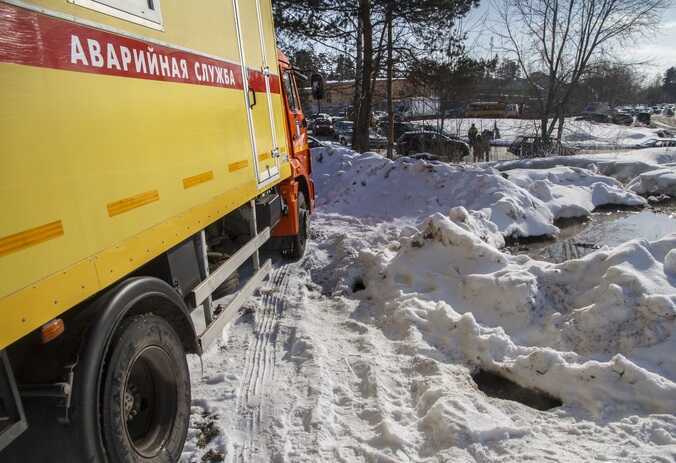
x: 559, y: 133
x: 356, y: 98
x: 360, y: 139
x: 390, y: 72
x: 544, y: 124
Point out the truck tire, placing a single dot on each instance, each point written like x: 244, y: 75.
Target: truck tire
x: 146, y: 393
x: 299, y: 242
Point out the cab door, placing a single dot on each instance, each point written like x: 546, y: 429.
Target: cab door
x: 255, y: 41
x: 297, y: 126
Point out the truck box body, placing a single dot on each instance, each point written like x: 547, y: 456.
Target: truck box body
x: 124, y: 130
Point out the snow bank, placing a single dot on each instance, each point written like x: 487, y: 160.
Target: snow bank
x: 518, y: 203
x: 573, y: 191
x: 646, y: 172
x: 369, y: 185
x: 594, y: 332
x: 655, y: 182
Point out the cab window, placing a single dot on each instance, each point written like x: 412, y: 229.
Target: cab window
x: 289, y: 91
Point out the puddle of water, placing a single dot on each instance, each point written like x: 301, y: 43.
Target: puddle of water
x: 604, y: 228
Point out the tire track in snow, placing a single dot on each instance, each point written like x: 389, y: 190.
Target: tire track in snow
x: 260, y: 362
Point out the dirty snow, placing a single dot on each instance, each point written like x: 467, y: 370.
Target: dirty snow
x: 364, y: 350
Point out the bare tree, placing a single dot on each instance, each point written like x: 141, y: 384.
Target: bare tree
x: 360, y: 138
x: 558, y: 42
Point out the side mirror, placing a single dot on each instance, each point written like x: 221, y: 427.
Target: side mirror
x: 317, y: 85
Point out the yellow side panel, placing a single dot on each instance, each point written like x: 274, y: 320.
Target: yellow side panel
x: 197, y: 25
x: 268, y: 33
x: 79, y: 160
x: 102, y: 173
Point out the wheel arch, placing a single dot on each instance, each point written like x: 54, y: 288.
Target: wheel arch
x: 139, y: 295
x: 133, y: 296
x: 306, y: 186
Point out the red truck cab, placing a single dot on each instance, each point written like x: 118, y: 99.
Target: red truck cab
x: 298, y: 191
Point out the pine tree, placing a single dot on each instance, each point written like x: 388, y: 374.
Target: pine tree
x: 669, y: 84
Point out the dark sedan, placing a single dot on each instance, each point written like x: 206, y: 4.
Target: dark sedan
x: 446, y: 148
x: 323, y: 126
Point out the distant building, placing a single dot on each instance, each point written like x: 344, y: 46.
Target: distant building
x: 339, y: 94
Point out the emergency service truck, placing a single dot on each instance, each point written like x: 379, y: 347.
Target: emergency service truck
x: 148, y: 150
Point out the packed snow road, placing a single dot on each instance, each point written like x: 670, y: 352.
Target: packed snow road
x: 377, y: 346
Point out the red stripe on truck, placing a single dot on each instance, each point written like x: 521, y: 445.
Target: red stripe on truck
x: 36, y: 39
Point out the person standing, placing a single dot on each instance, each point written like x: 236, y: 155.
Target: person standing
x: 472, y: 135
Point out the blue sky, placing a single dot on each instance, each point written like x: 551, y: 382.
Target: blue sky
x: 657, y: 49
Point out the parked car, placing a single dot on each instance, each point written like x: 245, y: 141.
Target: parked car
x: 436, y: 129
x: 594, y: 117
x: 343, y: 131
x: 323, y: 126
x: 643, y: 118
x: 379, y: 116
x: 527, y: 147
x: 531, y: 147
x: 622, y: 119
x: 319, y: 115
x: 447, y: 148
x: 377, y: 141
x: 344, y: 136
x: 400, y: 128
x: 425, y: 157
x: 668, y: 112
x: 313, y: 117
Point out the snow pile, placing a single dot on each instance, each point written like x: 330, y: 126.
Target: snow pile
x: 655, y: 182
x: 520, y: 202
x: 595, y: 332
x: 573, y: 191
x: 646, y: 172
x: 371, y: 186
x: 594, y: 135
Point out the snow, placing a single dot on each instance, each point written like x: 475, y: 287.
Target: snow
x: 578, y: 134
x: 364, y: 350
x: 656, y: 182
x: 492, y: 308
x: 521, y: 203
x: 369, y: 185
x: 572, y: 191
x: 646, y: 172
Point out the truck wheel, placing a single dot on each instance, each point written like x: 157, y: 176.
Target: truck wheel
x: 299, y: 242
x: 146, y: 393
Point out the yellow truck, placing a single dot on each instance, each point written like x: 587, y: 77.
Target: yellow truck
x: 148, y: 150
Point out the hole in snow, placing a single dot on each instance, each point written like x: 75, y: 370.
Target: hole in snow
x: 494, y: 385
x: 358, y: 285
